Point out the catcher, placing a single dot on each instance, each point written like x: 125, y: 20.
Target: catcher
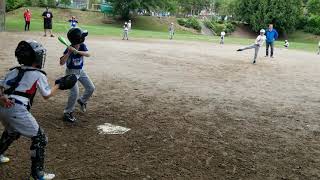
x: 17, y: 90
x: 73, y: 58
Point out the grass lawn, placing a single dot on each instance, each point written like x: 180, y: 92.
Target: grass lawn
x: 143, y: 27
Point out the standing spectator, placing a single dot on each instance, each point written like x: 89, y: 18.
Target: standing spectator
x: 129, y: 25
x: 271, y: 35
x: 47, y: 22
x: 171, y: 31
x: 73, y: 22
x: 27, y: 19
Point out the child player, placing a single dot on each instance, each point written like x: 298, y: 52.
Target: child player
x: 73, y: 22
x: 256, y: 46
x: 125, y: 31
x: 17, y: 90
x: 73, y: 58
x: 222, y: 37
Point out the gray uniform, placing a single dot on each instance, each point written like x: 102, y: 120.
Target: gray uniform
x: 84, y: 79
x: 18, y: 119
x: 256, y: 46
x: 171, y: 31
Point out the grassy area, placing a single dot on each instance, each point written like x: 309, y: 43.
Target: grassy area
x: 143, y: 27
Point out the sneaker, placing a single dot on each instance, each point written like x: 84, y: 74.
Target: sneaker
x: 69, y: 117
x: 4, y: 159
x: 83, y: 106
x: 254, y: 62
x: 45, y: 35
x: 239, y: 50
x: 52, y: 35
x: 46, y: 176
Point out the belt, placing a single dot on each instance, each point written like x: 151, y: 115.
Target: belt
x: 16, y: 101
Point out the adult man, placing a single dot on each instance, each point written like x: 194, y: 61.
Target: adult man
x: 27, y: 19
x: 271, y: 35
x: 47, y: 22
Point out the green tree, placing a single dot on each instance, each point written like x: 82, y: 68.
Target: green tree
x: 65, y: 2
x: 259, y: 13
x: 313, y: 7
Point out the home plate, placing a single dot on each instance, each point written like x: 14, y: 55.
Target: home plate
x: 108, y: 128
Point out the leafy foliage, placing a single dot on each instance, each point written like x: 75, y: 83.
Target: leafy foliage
x: 313, y: 25
x: 260, y: 13
x: 190, y: 23
x: 314, y: 7
x: 218, y: 27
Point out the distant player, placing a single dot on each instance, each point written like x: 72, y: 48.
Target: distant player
x: 73, y: 22
x: 129, y: 25
x: 27, y: 19
x: 222, y: 37
x: 286, y: 44
x: 319, y: 48
x: 73, y: 58
x: 171, y: 31
x: 256, y: 46
x: 125, y: 31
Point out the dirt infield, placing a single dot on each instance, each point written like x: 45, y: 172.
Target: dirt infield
x: 195, y: 110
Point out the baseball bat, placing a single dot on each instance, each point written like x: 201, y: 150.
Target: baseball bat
x: 63, y: 41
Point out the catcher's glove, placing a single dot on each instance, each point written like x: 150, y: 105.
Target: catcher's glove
x: 67, y: 82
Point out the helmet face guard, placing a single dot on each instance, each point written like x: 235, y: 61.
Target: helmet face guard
x: 31, y: 53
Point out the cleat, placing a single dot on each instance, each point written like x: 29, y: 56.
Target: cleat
x: 253, y: 62
x: 46, y: 176
x: 83, y: 106
x: 69, y: 117
x: 52, y: 35
x: 4, y: 159
x: 239, y: 50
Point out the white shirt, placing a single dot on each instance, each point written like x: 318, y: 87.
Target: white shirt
x: 129, y: 25
x: 260, y: 40
x: 31, y: 81
x: 223, y: 34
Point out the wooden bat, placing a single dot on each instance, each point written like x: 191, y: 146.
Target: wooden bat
x: 64, y: 41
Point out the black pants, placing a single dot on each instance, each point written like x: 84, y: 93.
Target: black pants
x: 27, y: 26
x: 271, y: 45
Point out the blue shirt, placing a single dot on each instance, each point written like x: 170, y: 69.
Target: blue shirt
x: 271, y: 35
x: 75, y: 61
x: 73, y: 22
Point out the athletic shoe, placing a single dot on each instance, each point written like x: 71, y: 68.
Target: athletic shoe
x: 83, y: 106
x: 52, y: 35
x: 69, y: 117
x: 46, y: 176
x: 4, y: 159
x: 239, y: 50
x: 254, y: 62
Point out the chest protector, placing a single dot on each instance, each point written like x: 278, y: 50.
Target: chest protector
x: 15, y: 84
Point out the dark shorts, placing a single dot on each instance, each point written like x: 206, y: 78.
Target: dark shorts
x: 47, y: 25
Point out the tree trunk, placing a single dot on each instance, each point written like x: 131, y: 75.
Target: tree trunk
x: 2, y: 15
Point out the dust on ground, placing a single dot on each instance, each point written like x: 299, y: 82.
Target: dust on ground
x: 196, y: 111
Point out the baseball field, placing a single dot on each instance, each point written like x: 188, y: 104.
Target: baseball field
x: 196, y: 110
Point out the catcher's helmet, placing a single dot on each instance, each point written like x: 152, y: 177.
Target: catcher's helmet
x: 77, y: 36
x: 31, y: 52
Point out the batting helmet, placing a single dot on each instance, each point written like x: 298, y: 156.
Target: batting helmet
x: 31, y: 52
x: 77, y: 36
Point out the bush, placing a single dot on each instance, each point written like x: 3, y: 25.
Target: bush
x: 313, y: 25
x: 219, y: 26
x: 191, y: 22
x: 14, y: 4
x: 302, y: 22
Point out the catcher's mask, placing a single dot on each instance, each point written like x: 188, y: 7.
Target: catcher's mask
x: 77, y: 36
x: 31, y: 52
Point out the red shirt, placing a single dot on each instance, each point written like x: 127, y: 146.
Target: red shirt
x: 27, y: 16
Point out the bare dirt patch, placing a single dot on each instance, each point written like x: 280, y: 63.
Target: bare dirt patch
x: 195, y: 110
